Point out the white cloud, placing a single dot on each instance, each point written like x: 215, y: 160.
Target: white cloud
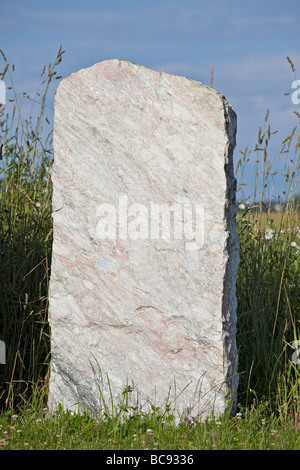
x: 259, y: 68
x: 178, y: 68
x: 241, y: 22
x: 55, y: 16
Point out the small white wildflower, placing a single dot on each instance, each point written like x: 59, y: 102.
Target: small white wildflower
x: 294, y: 244
x: 247, y: 223
x: 15, y: 417
x: 269, y: 234
x: 25, y: 179
x: 242, y: 206
x: 149, y: 431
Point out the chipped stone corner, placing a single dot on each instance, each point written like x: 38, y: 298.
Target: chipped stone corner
x: 232, y: 254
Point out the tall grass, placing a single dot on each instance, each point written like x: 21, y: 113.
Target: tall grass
x: 25, y: 239
x: 268, y: 275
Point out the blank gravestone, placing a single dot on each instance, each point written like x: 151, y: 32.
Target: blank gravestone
x: 145, y: 253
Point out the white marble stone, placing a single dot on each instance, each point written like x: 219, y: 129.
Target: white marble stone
x: 151, y: 306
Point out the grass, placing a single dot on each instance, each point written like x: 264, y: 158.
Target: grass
x: 267, y: 291
x: 256, y: 429
x: 25, y: 243
x: 268, y: 276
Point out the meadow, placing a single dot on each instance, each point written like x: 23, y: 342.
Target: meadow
x: 268, y: 336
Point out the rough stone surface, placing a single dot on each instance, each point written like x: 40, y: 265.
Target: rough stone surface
x: 146, y: 310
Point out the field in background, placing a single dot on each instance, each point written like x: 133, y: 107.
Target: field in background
x: 267, y: 291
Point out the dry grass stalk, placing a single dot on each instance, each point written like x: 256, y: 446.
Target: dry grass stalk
x: 291, y: 63
x: 212, y: 77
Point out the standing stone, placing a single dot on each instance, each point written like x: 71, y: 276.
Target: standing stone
x: 145, y: 253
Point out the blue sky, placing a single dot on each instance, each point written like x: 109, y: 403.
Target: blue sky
x: 246, y: 42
